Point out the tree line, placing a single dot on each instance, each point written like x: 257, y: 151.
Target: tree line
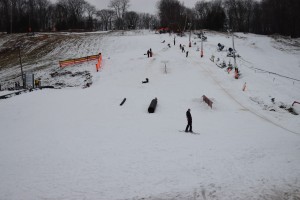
x: 260, y: 17
x: 43, y: 15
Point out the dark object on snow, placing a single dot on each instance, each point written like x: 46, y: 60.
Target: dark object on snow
x: 207, y: 100
x: 123, y: 102
x: 295, y: 102
x: 189, y: 120
x: 163, y: 41
x: 187, y: 54
x: 220, y: 47
x: 24, y: 91
x: 169, y: 45
x: 231, y: 52
x: 273, y: 100
x: 146, y: 81
x: 48, y: 87
x: 152, y: 105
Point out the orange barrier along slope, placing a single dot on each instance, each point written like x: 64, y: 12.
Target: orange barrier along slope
x: 68, y: 62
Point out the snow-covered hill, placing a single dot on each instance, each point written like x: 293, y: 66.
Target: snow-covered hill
x: 76, y: 143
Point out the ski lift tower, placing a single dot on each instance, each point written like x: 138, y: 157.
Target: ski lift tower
x: 202, y: 34
x: 190, y: 26
x: 20, y: 59
x: 234, y: 57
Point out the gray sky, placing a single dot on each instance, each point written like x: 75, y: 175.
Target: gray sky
x: 148, y: 6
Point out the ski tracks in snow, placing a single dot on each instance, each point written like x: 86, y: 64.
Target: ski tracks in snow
x: 244, y: 107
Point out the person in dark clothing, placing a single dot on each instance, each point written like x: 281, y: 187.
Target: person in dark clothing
x: 148, y: 53
x: 189, y: 119
x: 187, y: 54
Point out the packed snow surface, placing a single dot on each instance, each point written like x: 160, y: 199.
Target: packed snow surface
x: 75, y: 143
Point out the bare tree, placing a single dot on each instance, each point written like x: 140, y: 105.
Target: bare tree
x: 43, y: 14
x: 202, y: 10
x: 120, y: 7
x: 106, y: 16
x: 131, y: 19
x: 172, y: 14
x: 73, y: 10
x: 91, y: 11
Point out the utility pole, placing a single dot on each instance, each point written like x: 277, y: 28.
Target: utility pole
x: 234, y: 58
x: 22, y: 75
x: 201, y: 44
x: 190, y: 26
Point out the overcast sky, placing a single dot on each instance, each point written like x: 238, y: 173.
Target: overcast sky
x: 148, y: 6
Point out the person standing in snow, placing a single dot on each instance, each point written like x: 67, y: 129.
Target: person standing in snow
x: 187, y: 53
x: 189, y: 120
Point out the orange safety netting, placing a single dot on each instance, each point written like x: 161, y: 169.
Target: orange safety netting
x: 98, y: 65
x: 68, y: 62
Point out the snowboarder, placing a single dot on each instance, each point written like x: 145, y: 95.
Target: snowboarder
x: 187, y: 54
x: 189, y: 120
x: 148, y: 53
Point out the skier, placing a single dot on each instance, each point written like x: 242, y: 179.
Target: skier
x: 148, y: 53
x: 189, y: 119
x: 187, y: 54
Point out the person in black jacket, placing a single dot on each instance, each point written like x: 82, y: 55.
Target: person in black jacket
x: 189, y: 119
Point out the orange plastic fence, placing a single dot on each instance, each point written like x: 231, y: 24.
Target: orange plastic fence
x: 68, y: 62
x: 98, y: 65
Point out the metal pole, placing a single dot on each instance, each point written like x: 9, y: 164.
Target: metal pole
x: 233, y: 41
x: 234, y: 58
x: 201, y: 45
x: 21, y: 67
